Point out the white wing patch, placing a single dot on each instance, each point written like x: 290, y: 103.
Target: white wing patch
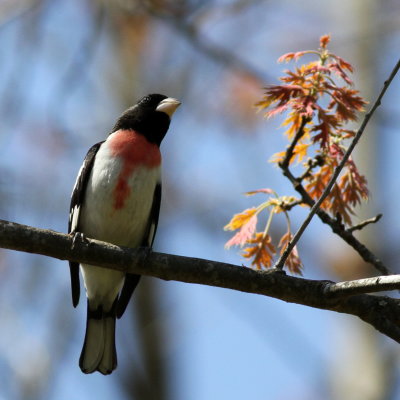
x: 74, y: 212
x: 74, y: 217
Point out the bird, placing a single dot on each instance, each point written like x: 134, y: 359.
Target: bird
x: 116, y: 198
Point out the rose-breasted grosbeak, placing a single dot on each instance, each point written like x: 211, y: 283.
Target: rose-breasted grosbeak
x: 116, y: 199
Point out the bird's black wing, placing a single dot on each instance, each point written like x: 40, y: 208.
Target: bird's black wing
x: 77, y: 198
x: 131, y: 280
x: 148, y: 238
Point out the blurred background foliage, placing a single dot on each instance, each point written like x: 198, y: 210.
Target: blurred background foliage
x: 68, y: 69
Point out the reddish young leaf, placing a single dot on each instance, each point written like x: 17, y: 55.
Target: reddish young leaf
x: 293, y: 262
x: 343, y: 64
x: 290, y: 56
x: 324, y: 41
x: 337, y: 205
x: 286, y: 57
x: 266, y: 191
x: 245, y: 233
x: 279, y: 109
x: 337, y: 69
x: 304, y: 106
x: 318, y: 182
x: 319, y: 101
x: 328, y: 123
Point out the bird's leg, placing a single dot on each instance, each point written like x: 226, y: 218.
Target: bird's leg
x: 78, y: 236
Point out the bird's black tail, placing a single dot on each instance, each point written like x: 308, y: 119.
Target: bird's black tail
x: 99, y: 352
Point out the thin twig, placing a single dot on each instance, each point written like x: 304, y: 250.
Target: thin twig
x: 367, y: 285
x: 315, y: 207
x: 289, y: 151
x: 311, y: 164
x: 363, y: 224
x: 338, y: 228
x: 289, y: 206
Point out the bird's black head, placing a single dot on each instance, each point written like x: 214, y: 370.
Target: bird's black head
x: 151, y: 117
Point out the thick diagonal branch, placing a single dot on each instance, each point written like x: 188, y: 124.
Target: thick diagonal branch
x: 380, y: 311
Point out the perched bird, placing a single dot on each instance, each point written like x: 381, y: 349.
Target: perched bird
x: 116, y: 198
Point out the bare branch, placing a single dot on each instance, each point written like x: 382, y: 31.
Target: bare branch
x: 380, y: 311
x: 367, y: 285
x: 289, y: 206
x: 363, y: 224
x: 284, y: 164
x: 311, y: 164
x: 315, y: 207
x: 338, y: 228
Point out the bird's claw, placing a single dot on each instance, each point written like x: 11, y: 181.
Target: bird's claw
x: 78, y: 236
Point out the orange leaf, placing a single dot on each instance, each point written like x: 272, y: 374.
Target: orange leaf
x: 261, y: 250
x: 277, y: 157
x: 300, y: 151
x: 294, y: 120
x: 293, y: 262
x: 338, y: 206
x: 324, y: 41
x: 240, y: 219
x: 318, y: 181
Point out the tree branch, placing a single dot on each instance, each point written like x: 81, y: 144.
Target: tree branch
x: 338, y: 228
x: 374, y: 284
x: 381, y: 312
x: 315, y: 205
x: 284, y: 164
x: 363, y: 224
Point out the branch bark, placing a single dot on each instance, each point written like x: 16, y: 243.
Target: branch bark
x: 381, y: 312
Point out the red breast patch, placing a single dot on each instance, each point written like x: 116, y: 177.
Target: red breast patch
x: 134, y: 150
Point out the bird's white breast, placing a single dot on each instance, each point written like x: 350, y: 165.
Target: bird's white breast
x: 100, y: 218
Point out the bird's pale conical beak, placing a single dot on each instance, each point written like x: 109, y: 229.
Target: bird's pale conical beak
x: 168, y: 106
